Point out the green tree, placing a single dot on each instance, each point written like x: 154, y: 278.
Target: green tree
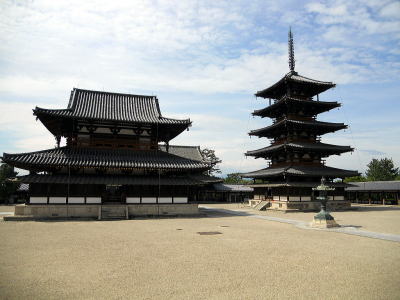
x: 209, y: 156
x: 234, y: 178
x: 355, y: 179
x: 7, y: 188
x: 381, y: 170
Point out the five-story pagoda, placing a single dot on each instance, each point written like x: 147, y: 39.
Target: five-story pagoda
x: 296, y: 152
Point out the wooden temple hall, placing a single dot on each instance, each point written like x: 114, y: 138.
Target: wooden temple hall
x: 117, y: 152
x: 296, y: 154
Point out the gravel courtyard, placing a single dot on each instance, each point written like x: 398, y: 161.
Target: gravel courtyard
x: 168, y: 259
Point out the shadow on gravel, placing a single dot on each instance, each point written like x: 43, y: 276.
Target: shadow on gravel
x: 376, y: 208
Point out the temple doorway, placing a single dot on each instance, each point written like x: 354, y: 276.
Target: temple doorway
x: 114, y: 194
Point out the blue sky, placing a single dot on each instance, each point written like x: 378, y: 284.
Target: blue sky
x: 205, y: 60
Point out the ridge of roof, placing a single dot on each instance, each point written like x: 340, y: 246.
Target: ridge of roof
x: 110, y: 106
x: 111, y: 93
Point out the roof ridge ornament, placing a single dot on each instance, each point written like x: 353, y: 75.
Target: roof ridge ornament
x: 291, y: 51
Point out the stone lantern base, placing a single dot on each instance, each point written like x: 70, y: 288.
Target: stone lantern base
x: 324, y: 220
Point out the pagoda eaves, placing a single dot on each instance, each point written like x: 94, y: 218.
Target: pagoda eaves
x: 296, y: 152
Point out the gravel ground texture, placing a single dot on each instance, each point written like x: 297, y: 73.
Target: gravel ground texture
x: 378, y: 218
x: 168, y: 259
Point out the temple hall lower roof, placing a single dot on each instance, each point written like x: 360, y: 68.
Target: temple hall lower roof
x: 107, y: 158
x: 118, y: 179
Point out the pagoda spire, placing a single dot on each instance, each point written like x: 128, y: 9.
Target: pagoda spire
x: 291, y: 50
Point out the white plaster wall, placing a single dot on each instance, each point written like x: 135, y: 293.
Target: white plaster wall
x: 149, y: 200
x: 103, y: 130
x: 340, y: 198
x: 276, y: 198
x: 35, y: 200
x: 92, y: 200
x: 132, y: 199
x: 165, y: 200
x: 305, y: 198
x: 58, y: 200
x: 294, y: 198
x: 74, y: 200
x: 180, y: 199
x: 126, y: 131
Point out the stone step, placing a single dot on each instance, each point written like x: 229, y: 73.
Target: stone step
x: 262, y: 205
x: 113, y: 212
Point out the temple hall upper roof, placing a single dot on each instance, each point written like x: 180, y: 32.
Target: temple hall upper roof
x: 106, y: 106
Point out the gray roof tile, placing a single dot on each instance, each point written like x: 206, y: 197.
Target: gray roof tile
x: 312, y: 107
x: 97, y: 105
x: 374, y: 186
x: 328, y: 148
x: 317, y: 126
x: 278, y: 89
x: 301, y: 171
x: 110, y: 179
x: 106, y: 158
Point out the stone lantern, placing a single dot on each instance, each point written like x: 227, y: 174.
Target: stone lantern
x: 323, y: 219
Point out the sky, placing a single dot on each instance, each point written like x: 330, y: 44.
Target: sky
x: 205, y: 60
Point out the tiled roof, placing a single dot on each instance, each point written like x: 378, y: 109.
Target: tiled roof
x: 313, y: 87
x: 317, y: 126
x: 312, y: 107
x: 222, y: 187
x: 103, y: 158
x: 299, y: 184
x: 299, y: 78
x: 321, y: 147
x: 105, y: 106
x: 301, y: 171
x: 374, y: 186
x: 189, y: 152
x: 110, y: 179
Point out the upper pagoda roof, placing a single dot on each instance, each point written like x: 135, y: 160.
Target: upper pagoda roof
x: 298, y: 84
x: 310, y: 107
x: 190, y: 159
x: 320, y: 147
x: 316, y: 171
x: 316, y: 126
x: 106, y: 106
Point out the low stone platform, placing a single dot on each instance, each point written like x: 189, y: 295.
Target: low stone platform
x: 63, y: 211
x: 309, y: 205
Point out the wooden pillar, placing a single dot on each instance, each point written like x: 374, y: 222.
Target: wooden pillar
x: 48, y: 192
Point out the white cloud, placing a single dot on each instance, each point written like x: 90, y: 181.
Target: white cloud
x: 208, y: 48
x: 26, y: 134
x: 392, y: 10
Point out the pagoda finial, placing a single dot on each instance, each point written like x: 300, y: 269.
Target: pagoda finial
x: 291, y: 51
